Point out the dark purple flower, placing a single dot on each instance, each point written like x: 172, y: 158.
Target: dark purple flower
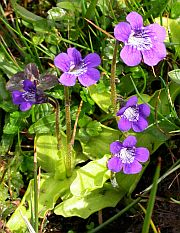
x: 30, y: 96
x: 133, y: 115
x: 140, y: 41
x: 73, y: 66
x: 127, y: 157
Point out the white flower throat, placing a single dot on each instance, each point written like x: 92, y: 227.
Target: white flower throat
x: 132, y: 113
x: 140, y: 40
x: 79, y: 69
x: 127, y: 155
x: 30, y: 95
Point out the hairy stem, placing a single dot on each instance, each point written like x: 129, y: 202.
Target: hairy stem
x: 68, y: 132
x: 35, y: 192
x: 56, y: 106
x: 76, y: 122
x: 112, y: 81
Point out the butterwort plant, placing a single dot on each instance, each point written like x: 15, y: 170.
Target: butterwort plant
x: 140, y: 41
x: 133, y: 115
x: 75, y: 67
x: 27, y: 87
x: 31, y: 95
x: 126, y: 156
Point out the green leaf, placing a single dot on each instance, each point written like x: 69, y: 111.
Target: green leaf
x: 91, y: 9
x: 154, y: 8
x: 6, y: 143
x: 127, y: 183
x: 42, y: 25
x: 3, y: 193
x: 41, y: 110
x: 47, y: 153
x: 175, y: 32
x: 93, y: 128
x: 101, y: 97
x: 50, y: 190
x: 175, y: 9
x: 15, y: 122
x: 175, y: 75
x: 90, y: 177
x: 38, y: 38
x: 56, y: 13
x: 97, y: 146
x: 7, y: 66
x: 5, y: 98
x: 70, y: 5
x: 85, y: 206
x: 4, y: 94
x: 44, y: 125
x: 84, y: 120
x: 160, y: 99
x: 151, y: 138
x: 25, y: 14
x: 50, y: 158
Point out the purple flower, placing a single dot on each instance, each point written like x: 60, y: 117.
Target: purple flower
x: 140, y: 41
x: 127, y: 157
x: 73, y: 66
x: 30, y: 96
x: 133, y: 115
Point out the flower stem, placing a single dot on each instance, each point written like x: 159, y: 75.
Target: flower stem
x: 35, y: 192
x: 56, y: 106
x: 112, y: 81
x: 76, y: 122
x: 68, y: 131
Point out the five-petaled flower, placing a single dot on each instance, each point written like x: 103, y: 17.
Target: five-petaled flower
x: 133, y: 115
x: 140, y: 41
x: 127, y: 157
x: 73, y: 66
x: 31, y: 95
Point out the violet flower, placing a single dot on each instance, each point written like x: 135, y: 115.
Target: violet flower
x: 140, y: 41
x: 30, y: 96
x: 73, y: 66
x: 133, y: 115
x: 127, y: 157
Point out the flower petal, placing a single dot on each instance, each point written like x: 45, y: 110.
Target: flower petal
x: 144, y: 110
x: 25, y: 106
x: 130, y: 141
x: 130, y: 55
x: 157, y: 32
x: 124, y: 124
x: 122, y: 31
x: 121, y: 111
x: 17, y: 97
x: 156, y: 54
x: 62, y: 61
x: 90, y: 77
x: 67, y: 79
x: 135, y: 20
x: 142, y: 154
x: 92, y: 60
x: 115, y: 147
x: 28, y: 85
x: 132, y: 168
x: 131, y: 101
x: 74, y: 55
x: 139, y: 125
x: 115, y: 164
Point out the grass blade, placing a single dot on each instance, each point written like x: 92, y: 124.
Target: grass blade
x: 152, y: 197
